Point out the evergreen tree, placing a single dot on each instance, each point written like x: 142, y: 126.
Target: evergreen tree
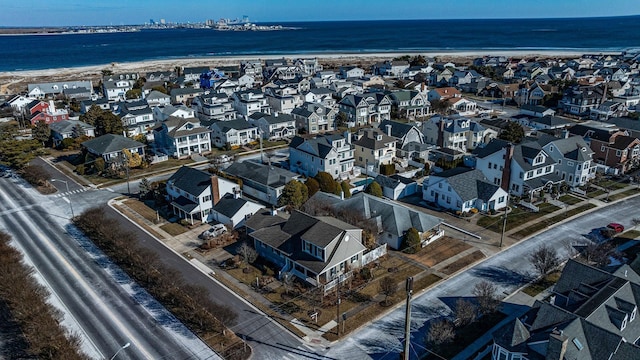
x: 411, y: 241
x: 326, y: 182
x: 346, y: 189
x: 512, y: 132
x: 312, y: 186
x: 374, y: 189
x: 41, y: 132
x: 294, y: 194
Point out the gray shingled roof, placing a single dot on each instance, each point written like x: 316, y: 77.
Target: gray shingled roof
x: 110, y: 143
x: 228, y: 205
x: 66, y: 126
x: 262, y: 174
x: 192, y: 181
x: 469, y: 184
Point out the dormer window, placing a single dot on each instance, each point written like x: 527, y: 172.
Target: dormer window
x: 633, y: 314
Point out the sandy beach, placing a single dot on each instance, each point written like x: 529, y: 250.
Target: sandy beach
x: 15, y: 81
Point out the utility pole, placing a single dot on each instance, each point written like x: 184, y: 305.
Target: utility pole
x: 504, y: 221
x: 338, y: 307
x: 407, y: 320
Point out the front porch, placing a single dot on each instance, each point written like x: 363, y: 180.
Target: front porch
x: 188, y: 210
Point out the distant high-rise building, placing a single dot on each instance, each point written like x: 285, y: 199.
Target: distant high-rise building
x: 163, y: 21
x: 152, y: 22
x: 209, y: 22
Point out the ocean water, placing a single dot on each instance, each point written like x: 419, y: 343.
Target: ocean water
x: 29, y: 52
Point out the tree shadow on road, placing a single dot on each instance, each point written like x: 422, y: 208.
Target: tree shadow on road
x: 502, y: 276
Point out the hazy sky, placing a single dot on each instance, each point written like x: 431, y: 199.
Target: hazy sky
x: 96, y: 12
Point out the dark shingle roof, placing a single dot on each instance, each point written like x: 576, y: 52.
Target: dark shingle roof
x: 192, y: 181
x: 469, y: 184
x: 111, y: 143
x: 262, y: 174
x: 229, y: 205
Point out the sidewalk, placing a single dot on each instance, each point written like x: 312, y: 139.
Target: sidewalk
x: 186, y: 243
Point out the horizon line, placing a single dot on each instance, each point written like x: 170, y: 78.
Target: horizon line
x: 340, y: 20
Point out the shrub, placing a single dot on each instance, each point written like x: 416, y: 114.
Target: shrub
x: 387, y: 169
x: 80, y: 169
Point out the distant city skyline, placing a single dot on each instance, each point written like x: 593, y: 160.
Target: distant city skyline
x: 123, y: 12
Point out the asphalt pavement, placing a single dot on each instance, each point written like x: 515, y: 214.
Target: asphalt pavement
x: 107, y: 306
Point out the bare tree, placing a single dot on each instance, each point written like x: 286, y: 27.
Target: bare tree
x: 466, y: 312
x: 486, y: 294
x: 388, y: 287
x: 599, y: 254
x: 544, y: 259
x: 441, y: 332
x: 247, y: 253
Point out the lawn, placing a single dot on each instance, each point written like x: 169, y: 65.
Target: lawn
x: 623, y: 194
x: 173, y: 229
x: 594, y: 192
x: 539, y: 286
x: 550, y: 221
x: 439, y: 251
x: 610, y: 184
x: 463, y: 262
x: 142, y: 209
x: 569, y: 199
x: 518, y: 216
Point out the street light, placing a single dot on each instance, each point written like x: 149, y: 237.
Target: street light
x: 67, y: 185
x: 122, y: 348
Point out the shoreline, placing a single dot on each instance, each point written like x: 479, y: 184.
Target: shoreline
x: 346, y: 56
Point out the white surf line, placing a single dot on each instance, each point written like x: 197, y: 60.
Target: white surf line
x: 88, y: 289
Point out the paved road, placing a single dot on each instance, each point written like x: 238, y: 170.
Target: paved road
x: 99, y: 298
x: 508, y: 270
x: 268, y: 340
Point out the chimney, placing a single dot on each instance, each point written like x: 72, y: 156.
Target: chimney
x: 388, y: 129
x: 441, y: 125
x: 215, y: 189
x: 565, y: 133
x: 506, y: 174
x: 557, y: 345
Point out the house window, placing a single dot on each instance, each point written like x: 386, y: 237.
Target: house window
x: 354, y: 258
x: 618, y: 153
x: 501, y: 199
x: 489, y: 167
x: 539, y: 171
x: 602, y: 148
x: 432, y: 193
x: 559, y: 161
x: 548, y: 169
x: 448, y: 199
x: 440, y: 185
x: 550, y: 148
x: 633, y: 313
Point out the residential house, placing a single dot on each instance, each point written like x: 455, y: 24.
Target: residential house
x: 70, y: 129
x: 608, y: 109
x: 613, y: 148
x: 262, y: 182
x: 347, y: 72
x: 116, y: 90
x: 591, y: 315
x: 523, y: 169
x: 232, y: 210
x: 274, y: 127
x: 543, y: 123
x: 462, y: 106
x: 317, y: 250
x: 283, y: 100
x: 395, y: 186
x: 391, y: 218
x: 374, y: 148
x: 573, y: 157
x: 52, y: 89
x: 182, y: 137
x: 411, y: 104
x: 536, y: 110
x: 314, y: 117
x: 77, y: 94
x: 233, y: 133
x: 156, y: 98
x: 193, y: 193
x: 393, y: 68
x: 227, y: 86
x: 137, y: 117
x: 366, y: 108
x: 443, y: 94
x: 19, y: 102
x: 333, y: 154
x: 45, y: 112
x: 250, y: 101
x: 102, y: 103
x: 404, y: 133
x: 579, y: 100
x: 252, y: 68
x: 456, y: 132
x: 214, y: 106
x: 110, y: 147
x: 309, y: 66
x: 463, y: 189
x: 184, y: 95
x: 322, y: 96
x: 161, y: 76
x: 162, y: 113
x: 192, y: 74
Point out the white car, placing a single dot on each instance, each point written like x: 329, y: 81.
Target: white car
x: 215, y: 230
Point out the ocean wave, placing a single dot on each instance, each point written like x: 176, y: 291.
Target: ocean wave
x: 544, y: 30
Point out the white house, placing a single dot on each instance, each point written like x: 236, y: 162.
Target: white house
x: 233, y: 133
x: 274, y: 127
x: 193, y: 193
x: 116, y: 90
x: 182, y: 137
x: 233, y: 210
x: 329, y: 153
x: 463, y: 189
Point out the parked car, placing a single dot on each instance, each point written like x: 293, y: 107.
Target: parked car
x: 618, y: 228
x: 215, y: 230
